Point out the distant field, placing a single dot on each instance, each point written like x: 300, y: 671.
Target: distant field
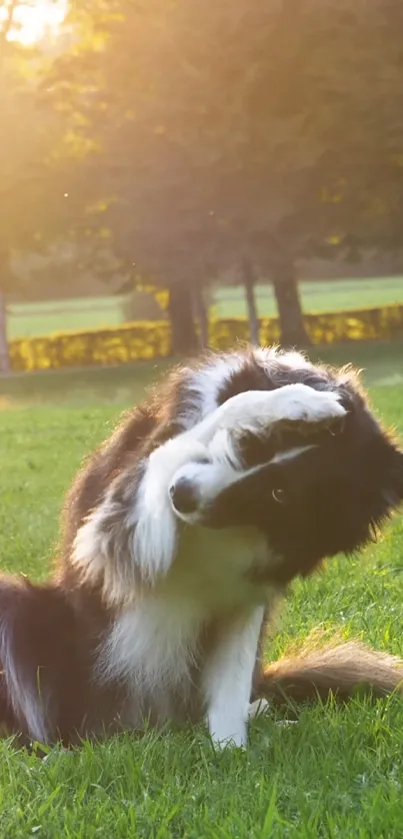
x: 26, y: 319
x: 326, y: 296
x: 86, y: 313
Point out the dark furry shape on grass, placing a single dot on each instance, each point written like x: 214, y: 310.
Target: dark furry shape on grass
x: 179, y: 536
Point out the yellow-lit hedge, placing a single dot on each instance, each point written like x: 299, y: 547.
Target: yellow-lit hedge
x: 147, y: 340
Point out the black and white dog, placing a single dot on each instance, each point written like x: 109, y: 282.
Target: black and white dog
x: 240, y: 472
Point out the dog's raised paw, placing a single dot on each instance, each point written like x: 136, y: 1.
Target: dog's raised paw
x: 301, y: 408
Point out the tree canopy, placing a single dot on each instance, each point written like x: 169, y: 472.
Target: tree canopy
x: 245, y: 135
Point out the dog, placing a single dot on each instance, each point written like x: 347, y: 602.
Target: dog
x: 179, y: 537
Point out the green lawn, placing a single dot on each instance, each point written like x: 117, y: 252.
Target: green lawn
x: 27, y: 319
x: 318, y: 296
x: 338, y: 773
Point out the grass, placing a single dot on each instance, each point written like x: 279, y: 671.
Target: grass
x: 317, y: 296
x: 381, y: 361
x: 26, y: 319
x: 338, y: 773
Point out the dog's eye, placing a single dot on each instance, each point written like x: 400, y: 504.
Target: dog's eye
x: 279, y: 496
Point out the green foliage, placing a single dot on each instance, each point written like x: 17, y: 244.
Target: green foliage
x: 130, y: 342
x: 192, y: 137
x: 152, y: 339
x: 22, y: 186
x: 239, y: 127
x: 336, y: 774
x: 219, y: 133
x: 44, y: 193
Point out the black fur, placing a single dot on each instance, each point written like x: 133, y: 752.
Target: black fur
x: 334, y: 496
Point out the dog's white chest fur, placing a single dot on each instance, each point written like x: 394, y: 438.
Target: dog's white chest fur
x: 155, y: 642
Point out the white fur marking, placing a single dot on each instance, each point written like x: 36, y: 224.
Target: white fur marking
x: 28, y: 706
x: 154, y: 539
x: 258, y: 708
x: 300, y: 403
x: 208, y: 479
x: 91, y: 545
x: 151, y: 645
x: 291, y: 454
x: 269, y: 356
x: 257, y: 410
x: 209, y: 380
x: 228, y: 682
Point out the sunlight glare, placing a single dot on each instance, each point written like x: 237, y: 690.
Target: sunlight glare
x: 35, y: 21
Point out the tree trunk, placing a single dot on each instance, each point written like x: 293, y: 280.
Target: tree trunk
x: 4, y: 356
x: 184, y: 338
x: 249, y: 279
x: 293, y: 332
x: 201, y: 315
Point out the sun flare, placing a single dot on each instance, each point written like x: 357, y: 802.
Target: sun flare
x: 33, y: 22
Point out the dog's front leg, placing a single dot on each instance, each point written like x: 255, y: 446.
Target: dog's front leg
x: 227, y: 681
x: 130, y: 537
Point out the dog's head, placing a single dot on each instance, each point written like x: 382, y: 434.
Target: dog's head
x: 322, y: 495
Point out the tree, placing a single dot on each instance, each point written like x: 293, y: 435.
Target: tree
x: 195, y: 175
x: 7, y: 8
x: 43, y: 188
x: 38, y: 178
x: 224, y: 135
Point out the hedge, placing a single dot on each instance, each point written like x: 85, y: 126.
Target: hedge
x: 151, y: 340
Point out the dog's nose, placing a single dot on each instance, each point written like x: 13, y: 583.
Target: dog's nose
x: 184, y: 496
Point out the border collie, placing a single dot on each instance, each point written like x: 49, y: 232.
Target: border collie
x: 179, y: 536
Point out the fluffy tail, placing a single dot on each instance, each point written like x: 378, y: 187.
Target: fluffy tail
x: 341, y: 669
